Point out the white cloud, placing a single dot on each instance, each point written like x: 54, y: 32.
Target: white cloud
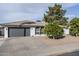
x: 14, y: 12
x: 71, y: 16
x: 22, y: 16
x: 67, y: 5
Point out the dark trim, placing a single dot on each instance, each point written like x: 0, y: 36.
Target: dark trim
x: 8, y: 32
x: 17, y: 27
x: 24, y: 31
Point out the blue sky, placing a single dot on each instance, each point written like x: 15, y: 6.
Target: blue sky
x: 10, y: 12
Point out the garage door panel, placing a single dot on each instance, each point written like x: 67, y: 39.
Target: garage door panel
x: 16, y: 32
x: 27, y: 32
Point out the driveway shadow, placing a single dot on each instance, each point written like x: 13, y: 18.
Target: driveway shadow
x: 75, y: 53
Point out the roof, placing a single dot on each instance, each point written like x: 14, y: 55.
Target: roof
x: 25, y: 23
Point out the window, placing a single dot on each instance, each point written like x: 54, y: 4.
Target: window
x: 1, y: 31
x: 37, y: 30
x: 41, y: 30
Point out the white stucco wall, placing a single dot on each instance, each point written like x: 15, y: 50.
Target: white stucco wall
x: 5, y: 32
x: 32, y: 31
x: 66, y: 31
x: 40, y: 35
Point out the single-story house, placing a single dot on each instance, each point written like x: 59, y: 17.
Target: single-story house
x: 23, y: 28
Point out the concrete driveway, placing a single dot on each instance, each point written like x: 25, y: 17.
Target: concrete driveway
x: 33, y: 46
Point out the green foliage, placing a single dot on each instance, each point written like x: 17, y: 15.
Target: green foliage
x: 53, y: 30
x: 74, y: 31
x: 74, y: 27
x: 55, y: 15
x: 74, y: 22
x: 54, y: 18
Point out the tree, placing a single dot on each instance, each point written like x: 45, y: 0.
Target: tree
x: 53, y: 18
x: 55, y: 15
x: 74, y: 27
x: 53, y: 30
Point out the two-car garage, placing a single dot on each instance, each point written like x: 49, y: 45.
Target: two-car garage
x: 14, y: 32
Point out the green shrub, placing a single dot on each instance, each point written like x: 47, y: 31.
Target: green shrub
x: 74, y: 27
x: 74, y: 31
x: 53, y: 31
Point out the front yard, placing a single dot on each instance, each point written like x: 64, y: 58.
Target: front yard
x: 30, y: 46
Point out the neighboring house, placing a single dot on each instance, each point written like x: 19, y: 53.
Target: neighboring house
x: 23, y: 28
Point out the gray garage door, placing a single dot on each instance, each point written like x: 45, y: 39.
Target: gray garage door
x: 14, y: 32
x: 27, y: 32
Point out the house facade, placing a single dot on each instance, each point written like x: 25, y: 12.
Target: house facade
x: 23, y: 28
